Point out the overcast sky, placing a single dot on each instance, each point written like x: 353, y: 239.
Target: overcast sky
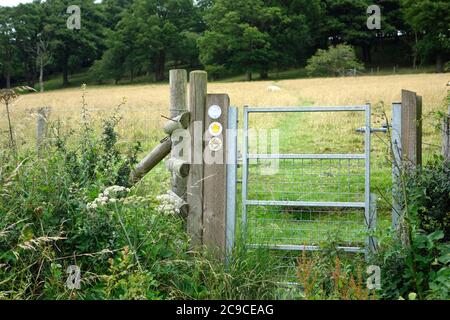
x: 10, y: 3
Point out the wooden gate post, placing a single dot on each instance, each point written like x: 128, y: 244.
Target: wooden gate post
x: 446, y: 136
x: 406, y: 146
x: 215, y: 172
x: 178, y: 106
x: 211, y: 201
x: 411, y: 131
x: 197, y: 105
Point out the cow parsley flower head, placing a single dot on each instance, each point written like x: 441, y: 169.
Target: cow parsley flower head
x: 167, y: 205
x: 110, y: 195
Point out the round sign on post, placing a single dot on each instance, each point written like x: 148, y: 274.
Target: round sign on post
x: 214, y: 112
x: 215, y: 144
x: 215, y: 129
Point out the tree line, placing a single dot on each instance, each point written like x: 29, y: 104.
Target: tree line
x: 124, y: 39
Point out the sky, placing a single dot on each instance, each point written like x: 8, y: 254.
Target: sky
x: 10, y: 3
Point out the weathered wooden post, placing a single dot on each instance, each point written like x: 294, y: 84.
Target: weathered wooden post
x: 215, y: 171
x: 151, y: 160
x: 43, y: 115
x: 178, y: 107
x: 211, y: 186
x: 411, y: 132
x: 197, y: 105
x: 406, y: 146
x: 446, y: 136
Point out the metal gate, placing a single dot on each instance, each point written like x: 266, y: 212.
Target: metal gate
x: 308, y: 198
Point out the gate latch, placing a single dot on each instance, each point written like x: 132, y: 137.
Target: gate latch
x: 383, y: 129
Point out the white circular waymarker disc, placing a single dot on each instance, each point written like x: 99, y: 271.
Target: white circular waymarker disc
x: 214, y: 112
x: 215, y: 144
x: 215, y: 129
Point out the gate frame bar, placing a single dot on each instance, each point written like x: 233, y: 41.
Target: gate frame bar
x: 369, y: 203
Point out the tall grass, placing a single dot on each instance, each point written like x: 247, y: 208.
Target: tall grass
x: 65, y: 208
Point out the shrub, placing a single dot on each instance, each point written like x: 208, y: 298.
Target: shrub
x: 336, y: 61
x: 420, y: 267
x: 428, y: 192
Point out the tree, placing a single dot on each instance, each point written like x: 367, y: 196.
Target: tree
x: 299, y: 33
x: 113, y: 11
x: 256, y: 35
x: 124, y: 52
x: 28, y: 21
x: 162, y: 27
x: 85, y: 43
x: 43, y: 57
x: 108, y: 67
x: 336, y: 61
x: 8, y: 49
x: 431, y: 21
x: 238, y: 36
x: 347, y: 23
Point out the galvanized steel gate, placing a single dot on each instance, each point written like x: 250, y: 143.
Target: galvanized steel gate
x: 310, y: 197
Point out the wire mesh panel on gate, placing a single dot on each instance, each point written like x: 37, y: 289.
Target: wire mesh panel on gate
x: 307, y: 198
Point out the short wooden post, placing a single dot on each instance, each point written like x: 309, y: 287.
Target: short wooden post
x: 41, y: 128
x: 178, y: 106
x: 446, y: 136
x: 215, y: 173
x: 197, y: 105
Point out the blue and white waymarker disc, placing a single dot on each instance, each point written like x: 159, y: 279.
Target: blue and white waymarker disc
x: 214, y: 112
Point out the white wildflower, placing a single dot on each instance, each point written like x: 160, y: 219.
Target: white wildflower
x: 109, y: 195
x: 167, y: 205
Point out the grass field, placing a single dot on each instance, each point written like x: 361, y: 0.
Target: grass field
x: 146, y: 103
x: 305, y: 133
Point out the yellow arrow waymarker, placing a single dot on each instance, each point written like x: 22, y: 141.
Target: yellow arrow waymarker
x: 215, y: 129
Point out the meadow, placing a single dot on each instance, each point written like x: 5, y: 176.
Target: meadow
x: 146, y: 103
x: 141, y: 108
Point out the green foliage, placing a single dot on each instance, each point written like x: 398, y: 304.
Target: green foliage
x: 66, y: 44
x: 252, y: 36
x: 347, y: 21
x: 68, y: 208
x: 421, y: 268
x: 149, y: 33
x: 430, y: 19
x: 336, y: 61
x: 422, y: 265
x: 429, y: 197
x: 8, y: 50
x: 250, y: 274
x: 124, y: 39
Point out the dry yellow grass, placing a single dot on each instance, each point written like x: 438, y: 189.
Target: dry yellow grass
x: 145, y: 103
